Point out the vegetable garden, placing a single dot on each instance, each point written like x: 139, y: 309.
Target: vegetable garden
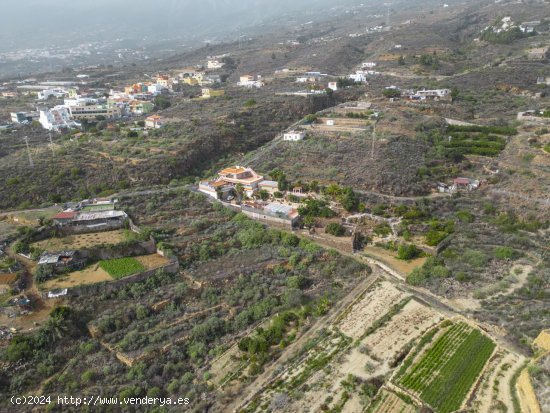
x: 122, y: 267
x: 446, y: 372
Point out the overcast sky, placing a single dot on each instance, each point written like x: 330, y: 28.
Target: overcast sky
x: 34, y: 22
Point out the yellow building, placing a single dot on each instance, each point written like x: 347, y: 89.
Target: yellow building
x: 91, y: 112
x: 190, y: 81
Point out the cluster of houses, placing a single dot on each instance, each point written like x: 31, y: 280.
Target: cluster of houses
x: 506, y: 24
x: 97, y: 214
x: 367, y: 69
x: 310, y: 77
x: 133, y: 100
x: 423, y: 94
x: 78, y: 107
x: 238, y: 179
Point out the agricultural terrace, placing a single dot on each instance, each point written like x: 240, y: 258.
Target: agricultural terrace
x: 122, y: 267
x: 390, y: 402
x: 443, y: 375
x: 82, y: 241
x: 106, y: 271
x: 477, y: 140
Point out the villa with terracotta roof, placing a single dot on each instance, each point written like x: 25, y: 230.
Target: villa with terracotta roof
x: 229, y: 178
x: 155, y: 122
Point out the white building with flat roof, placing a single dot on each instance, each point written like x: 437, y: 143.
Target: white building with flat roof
x: 358, y: 77
x: 294, y: 136
x: 250, y: 81
x: 215, y: 64
x: 57, y: 118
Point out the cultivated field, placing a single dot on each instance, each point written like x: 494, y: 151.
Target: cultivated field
x: 107, y: 271
x: 341, y: 369
x: 407, y: 325
x: 389, y: 402
x: 370, y: 307
x: 81, y: 241
x: 494, y: 393
x: 122, y: 267
x: 440, y: 376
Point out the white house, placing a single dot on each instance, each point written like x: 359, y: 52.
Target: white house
x: 435, y: 94
x: 369, y: 65
x: 155, y: 122
x: 215, y: 64
x: 358, y: 77
x: 250, y: 81
x: 333, y: 86
x: 57, y: 118
x: 294, y: 136
x: 47, y: 93
x: 58, y: 293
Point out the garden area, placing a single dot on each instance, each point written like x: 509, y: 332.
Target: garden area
x: 439, y: 376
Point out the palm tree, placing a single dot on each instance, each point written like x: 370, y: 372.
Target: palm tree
x: 239, y: 189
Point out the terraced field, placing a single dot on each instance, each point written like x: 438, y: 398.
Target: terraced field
x: 444, y: 374
x: 389, y: 402
x: 122, y: 267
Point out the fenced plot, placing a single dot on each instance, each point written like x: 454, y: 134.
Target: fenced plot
x: 122, y: 267
x: 444, y: 374
x: 82, y: 241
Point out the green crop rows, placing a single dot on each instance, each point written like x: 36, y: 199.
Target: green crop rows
x: 122, y: 267
x: 446, y: 372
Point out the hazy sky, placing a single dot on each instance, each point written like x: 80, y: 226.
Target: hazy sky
x: 40, y: 21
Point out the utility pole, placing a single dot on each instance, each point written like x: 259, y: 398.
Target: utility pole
x: 51, y: 143
x: 373, y: 139
x: 29, y: 152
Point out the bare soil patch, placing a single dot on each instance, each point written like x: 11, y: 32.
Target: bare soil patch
x: 152, y: 261
x: 376, y: 302
x: 411, y: 322
x: 91, y: 275
x: 81, y: 241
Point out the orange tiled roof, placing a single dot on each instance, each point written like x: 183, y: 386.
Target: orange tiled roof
x: 235, y: 170
x: 217, y: 184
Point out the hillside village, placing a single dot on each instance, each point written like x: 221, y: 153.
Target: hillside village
x: 289, y: 225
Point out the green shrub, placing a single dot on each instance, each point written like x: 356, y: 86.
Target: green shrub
x: 465, y: 216
x: 335, y: 229
x: 249, y: 103
x: 408, y: 252
x: 383, y: 229
x: 504, y: 253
